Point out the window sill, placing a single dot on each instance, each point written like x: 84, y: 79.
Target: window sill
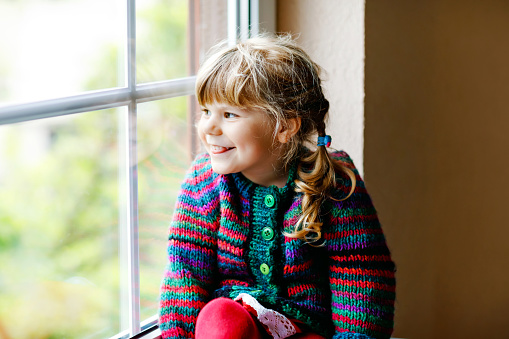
x: 152, y: 332
x: 149, y: 330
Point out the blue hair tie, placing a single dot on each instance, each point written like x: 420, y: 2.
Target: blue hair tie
x: 324, y: 141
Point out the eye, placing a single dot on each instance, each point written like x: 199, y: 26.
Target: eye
x: 229, y: 115
x: 205, y: 112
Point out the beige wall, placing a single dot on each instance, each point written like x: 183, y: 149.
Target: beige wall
x: 332, y: 32
x: 437, y: 159
x: 435, y: 146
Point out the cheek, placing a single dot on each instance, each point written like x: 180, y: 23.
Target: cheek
x: 199, y: 130
x: 265, y: 138
x: 260, y: 146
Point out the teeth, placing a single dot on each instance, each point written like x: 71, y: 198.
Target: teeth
x: 219, y: 148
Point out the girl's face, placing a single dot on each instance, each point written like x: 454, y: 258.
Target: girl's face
x: 242, y: 140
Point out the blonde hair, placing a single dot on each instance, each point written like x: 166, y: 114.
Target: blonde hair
x: 277, y: 76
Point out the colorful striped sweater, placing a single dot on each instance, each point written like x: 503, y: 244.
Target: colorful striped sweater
x: 226, y: 238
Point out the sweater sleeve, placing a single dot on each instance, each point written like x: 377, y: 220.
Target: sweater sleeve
x: 192, y: 244
x: 361, y: 272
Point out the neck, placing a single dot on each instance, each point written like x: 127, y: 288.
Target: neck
x: 277, y: 178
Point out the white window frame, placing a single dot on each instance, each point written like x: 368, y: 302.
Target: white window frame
x: 245, y: 18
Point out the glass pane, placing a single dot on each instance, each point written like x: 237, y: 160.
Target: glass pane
x: 58, y: 48
x: 164, y: 156
x: 161, y: 33
x: 59, y: 212
x: 211, y: 27
x: 173, y: 35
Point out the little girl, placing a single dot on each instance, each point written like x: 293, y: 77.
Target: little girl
x: 271, y: 238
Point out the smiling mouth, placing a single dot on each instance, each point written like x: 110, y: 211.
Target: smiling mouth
x: 219, y: 149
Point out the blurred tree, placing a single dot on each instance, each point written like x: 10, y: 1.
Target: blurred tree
x: 59, y: 239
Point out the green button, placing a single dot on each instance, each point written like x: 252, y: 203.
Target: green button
x: 267, y: 233
x: 269, y: 200
x: 265, y: 269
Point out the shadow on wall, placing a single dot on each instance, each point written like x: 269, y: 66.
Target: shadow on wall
x: 436, y: 161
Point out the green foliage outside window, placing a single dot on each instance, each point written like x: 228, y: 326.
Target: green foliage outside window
x: 60, y: 270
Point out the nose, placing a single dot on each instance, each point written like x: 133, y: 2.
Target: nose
x: 211, y: 125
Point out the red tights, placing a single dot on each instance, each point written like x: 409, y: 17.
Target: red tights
x: 224, y: 318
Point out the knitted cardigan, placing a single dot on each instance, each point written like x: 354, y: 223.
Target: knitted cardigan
x: 227, y: 238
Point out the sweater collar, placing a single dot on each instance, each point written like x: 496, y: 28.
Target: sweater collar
x: 246, y: 186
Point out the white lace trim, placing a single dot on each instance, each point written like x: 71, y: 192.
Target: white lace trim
x: 277, y: 324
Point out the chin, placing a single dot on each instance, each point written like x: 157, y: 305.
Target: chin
x: 220, y: 170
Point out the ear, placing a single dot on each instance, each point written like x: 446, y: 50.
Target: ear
x: 285, y: 133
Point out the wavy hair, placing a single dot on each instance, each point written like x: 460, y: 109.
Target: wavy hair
x: 272, y: 73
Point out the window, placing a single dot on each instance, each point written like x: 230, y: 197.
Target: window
x: 96, y: 132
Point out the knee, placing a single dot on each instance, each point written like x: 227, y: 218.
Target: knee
x: 223, y: 318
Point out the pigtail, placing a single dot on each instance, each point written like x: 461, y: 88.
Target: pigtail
x: 316, y: 178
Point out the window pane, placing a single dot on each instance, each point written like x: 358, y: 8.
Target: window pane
x: 164, y: 156
x: 59, y: 234
x: 58, y: 48
x: 173, y: 35
x: 161, y: 33
x: 212, y: 24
